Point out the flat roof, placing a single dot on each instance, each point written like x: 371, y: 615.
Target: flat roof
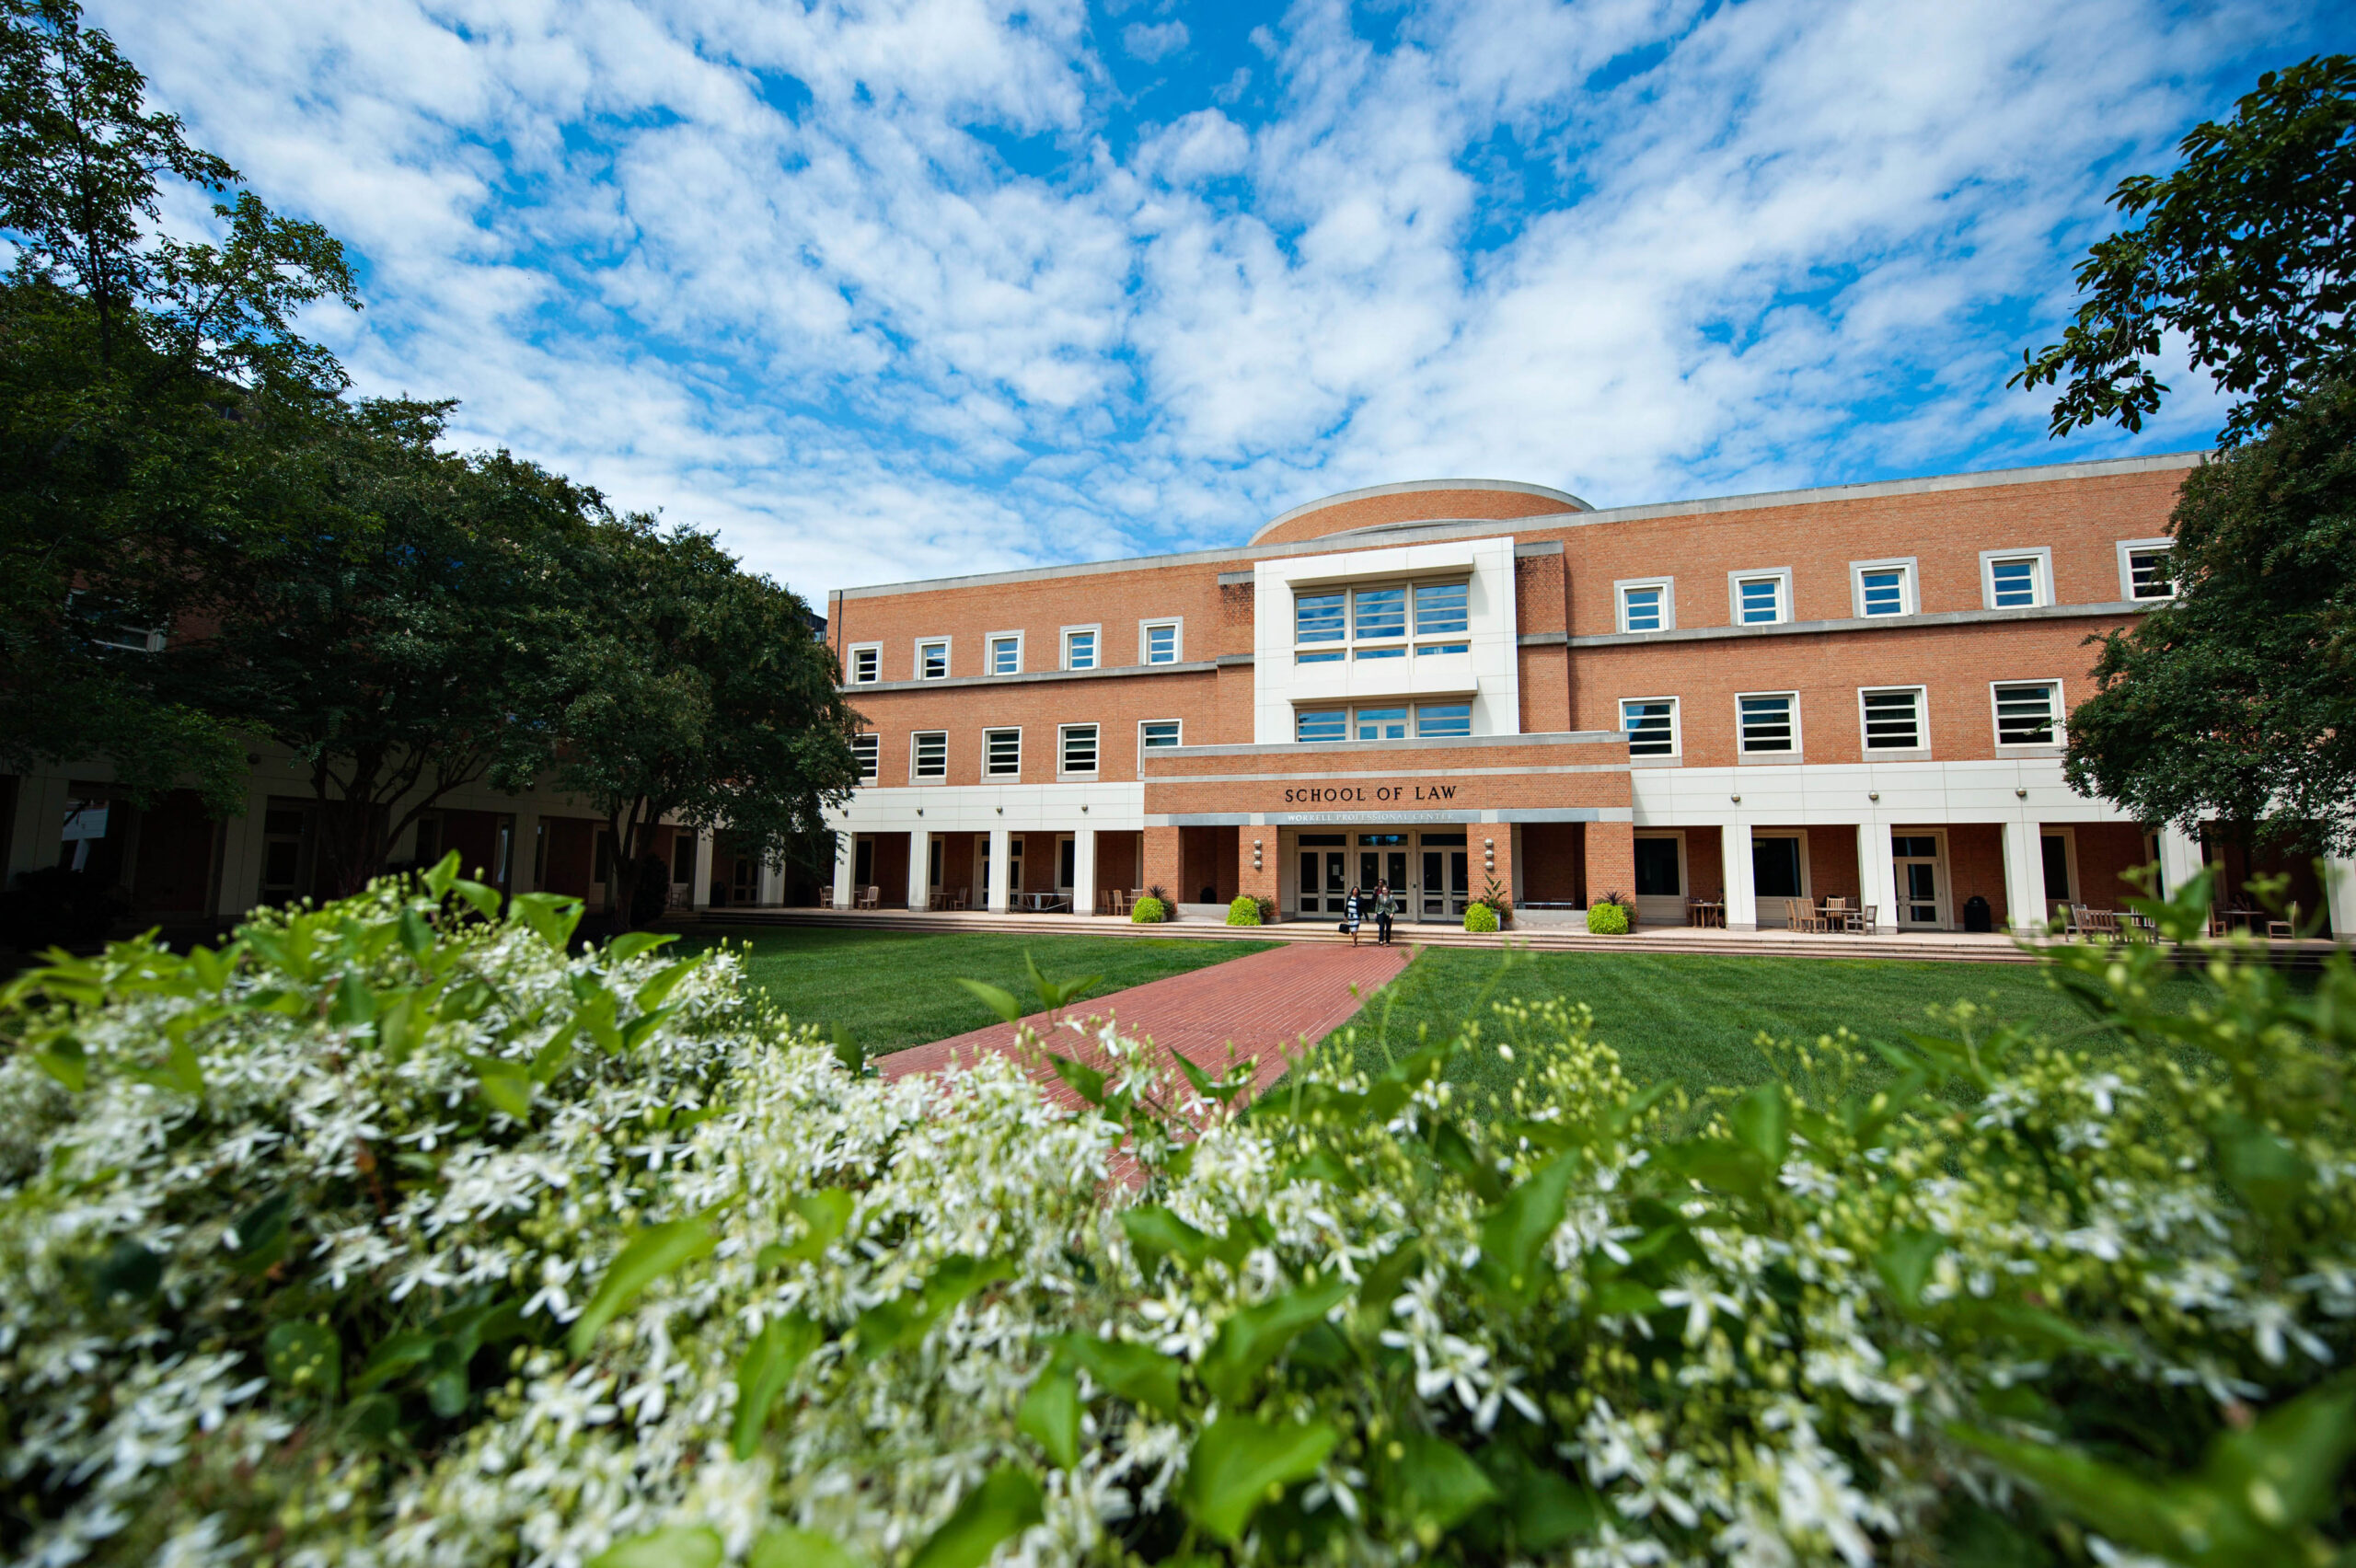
x: 1447, y: 527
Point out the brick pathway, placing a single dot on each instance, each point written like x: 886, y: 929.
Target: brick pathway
x: 1263, y: 1005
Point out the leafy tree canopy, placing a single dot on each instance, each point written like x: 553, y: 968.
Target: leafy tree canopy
x: 2247, y: 252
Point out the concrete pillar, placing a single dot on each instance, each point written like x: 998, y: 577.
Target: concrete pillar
x: 1083, y: 871
x: 1001, y: 851
x: 242, y: 849
x: 1163, y: 861
x: 1742, y: 890
x: 34, y: 837
x: 772, y: 889
x: 1611, y: 861
x: 2339, y: 895
x: 1878, y: 873
x: 846, y: 858
x: 526, y: 849
x: 920, y: 870
x: 699, y: 894
x: 2023, y: 877
x: 2179, y: 859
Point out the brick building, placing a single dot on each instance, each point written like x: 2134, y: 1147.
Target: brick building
x: 1860, y: 691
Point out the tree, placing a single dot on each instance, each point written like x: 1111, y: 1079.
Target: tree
x: 404, y: 645
x: 698, y: 691
x: 155, y: 402
x: 2249, y: 251
x: 2238, y: 700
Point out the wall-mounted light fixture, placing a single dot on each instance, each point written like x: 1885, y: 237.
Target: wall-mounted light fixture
x: 1873, y: 794
x: 2022, y: 794
x: 1255, y: 854
x: 1735, y: 798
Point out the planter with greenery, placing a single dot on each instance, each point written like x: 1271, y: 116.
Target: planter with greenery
x: 1613, y: 914
x: 1149, y: 911
x: 1245, y: 911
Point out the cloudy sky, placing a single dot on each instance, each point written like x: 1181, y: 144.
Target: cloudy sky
x: 914, y: 287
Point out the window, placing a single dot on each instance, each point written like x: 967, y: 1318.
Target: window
x: 1770, y: 722
x: 1884, y: 587
x: 867, y: 663
x: 1158, y: 642
x: 1646, y: 605
x: 1435, y: 719
x: 1379, y: 622
x: 2053, y: 849
x: 1760, y: 598
x: 1004, y: 653
x: 929, y: 754
x: 1001, y: 754
x: 1080, y: 748
x: 2144, y: 569
x: 1443, y: 610
x: 1080, y: 648
x: 868, y: 749
x: 1317, y: 618
x: 1657, y: 868
x: 114, y: 623
x: 2016, y: 580
x: 1893, y: 719
x: 1651, y: 724
x: 1380, y: 724
x: 1323, y: 724
x: 1155, y: 735
x: 2029, y: 713
x: 932, y: 661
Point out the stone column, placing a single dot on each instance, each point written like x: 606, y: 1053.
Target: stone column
x: 920, y: 870
x: 1611, y: 860
x: 1083, y: 871
x: 34, y: 837
x: 772, y: 889
x: 2023, y: 877
x: 1742, y: 884
x: 1878, y: 873
x: 2179, y: 858
x: 2339, y: 895
x: 1163, y: 862
x: 846, y: 857
x: 1001, y: 851
x: 242, y: 848
x: 525, y: 850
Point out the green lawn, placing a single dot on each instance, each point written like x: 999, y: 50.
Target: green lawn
x: 1695, y: 1019
x: 897, y: 989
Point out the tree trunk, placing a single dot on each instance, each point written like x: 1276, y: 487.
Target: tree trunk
x: 351, y: 824
x: 622, y: 876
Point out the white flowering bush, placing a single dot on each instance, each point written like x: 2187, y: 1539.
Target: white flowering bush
x: 385, y: 1237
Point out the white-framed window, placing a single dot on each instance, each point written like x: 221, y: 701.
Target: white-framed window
x: 868, y: 748
x: 1768, y: 722
x: 1002, y: 654
x: 1160, y: 641
x: 110, y: 623
x: 1439, y: 719
x: 932, y: 659
x: 1443, y: 617
x: 866, y: 662
x: 1079, y: 745
x: 1651, y: 725
x: 1320, y: 724
x: 1082, y: 646
x: 2145, y: 569
x: 2016, y: 580
x: 1883, y: 587
x: 1762, y: 597
x: 1645, y: 603
x: 1001, y: 754
x: 1379, y: 723
x: 1382, y: 620
x: 929, y: 754
x: 2029, y: 713
x: 1158, y: 734
x: 1893, y: 719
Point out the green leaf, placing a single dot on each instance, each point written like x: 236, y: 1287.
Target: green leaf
x: 1154, y: 1233
x: 2180, y: 1521
x: 997, y: 1000
x: 1455, y: 1153
x: 2265, y: 1171
x: 551, y: 916
x: 635, y: 1031
x: 1379, y: 1286
x: 395, y: 1354
x: 1007, y: 1503
x: 1324, y: 1165
x: 1137, y: 1373
x: 1540, y: 1507
x: 127, y: 1268
x: 786, y: 1548
x: 1255, y: 1336
x: 304, y: 1358
x: 442, y: 872
x: 824, y: 1213
x: 506, y: 1086
x: 1086, y: 1082
x: 1623, y: 1298
x: 1436, y: 1482
x: 550, y: 1059
x: 63, y: 1059
x: 1049, y: 1415
x: 1904, y: 1263
x: 484, y: 899
x: 769, y: 1365
x: 629, y: 944
x: 594, y: 1015
x: 1762, y: 1123
x: 2285, y: 1468
x: 673, y: 1546
x: 1240, y: 1462
x: 663, y: 982
x: 652, y: 1253
x: 417, y: 937
x: 1518, y: 1229
x: 371, y: 1418
x: 263, y: 1234
x: 905, y: 1319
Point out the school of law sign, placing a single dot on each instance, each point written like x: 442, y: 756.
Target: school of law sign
x: 1369, y: 794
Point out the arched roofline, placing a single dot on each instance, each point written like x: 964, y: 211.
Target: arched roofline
x: 1570, y: 503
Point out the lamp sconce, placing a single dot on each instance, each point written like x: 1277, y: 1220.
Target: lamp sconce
x: 1489, y: 854
x: 1001, y: 811
x: 1255, y: 854
x: 1873, y: 794
x: 2021, y: 794
x: 920, y: 811
x: 1083, y: 810
x: 1735, y: 798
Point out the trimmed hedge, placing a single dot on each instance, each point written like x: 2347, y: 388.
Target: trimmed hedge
x: 1607, y: 920
x: 1480, y: 917
x: 1149, y: 911
x: 388, y: 1236
x: 1243, y: 911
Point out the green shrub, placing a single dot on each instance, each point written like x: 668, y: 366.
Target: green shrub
x: 1245, y: 911
x: 1149, y: 911
x: 1607, y: 920
x: 382, y: 1239
x: 1480, y: 917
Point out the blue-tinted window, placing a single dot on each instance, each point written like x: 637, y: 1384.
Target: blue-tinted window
x: 1006, y: 655
x: 1381, y: 613
x: 1442, y: 609
x: 1441, y: 719
x: 2014, y: 582
x: 1382, y: 724
x: 1885, y: 592
x: 1161, y: 732
x: 1162, y: 645
x: 1326, y: 724
x: 1651, y: 726
x: 1642, y: 606
x: 1080, y: 650
x: 1317, y: 617
x: 1761, y: 600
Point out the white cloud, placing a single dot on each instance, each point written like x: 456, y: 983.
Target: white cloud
x: 770, y: 268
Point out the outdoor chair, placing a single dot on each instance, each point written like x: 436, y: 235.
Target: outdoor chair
x: 1800, y: 914
x: 2101, y: 923
x: 2284, y: 930
x: 870, y: 898
x: 2077, y: 918
x: 1836, y: 915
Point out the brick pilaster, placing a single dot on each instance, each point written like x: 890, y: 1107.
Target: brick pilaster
x: 1163, y: 865
x: 1611, y: 858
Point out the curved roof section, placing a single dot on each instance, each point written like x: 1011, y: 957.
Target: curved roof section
x: 1419, y: 501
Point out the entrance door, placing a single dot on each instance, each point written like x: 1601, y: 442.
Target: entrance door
x: 1447, y: 882
x: 1915, y: 858
x: 1382, y: 857
x: 1325, y: 881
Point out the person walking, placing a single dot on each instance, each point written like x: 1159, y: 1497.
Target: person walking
x: 1350, y: 916
x: 1385, y: 906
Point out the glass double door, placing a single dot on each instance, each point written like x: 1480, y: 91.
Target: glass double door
x: 1915, y: 860
x: 1447, y: 886
x: 1325, y: 881
x: 1327, y: 876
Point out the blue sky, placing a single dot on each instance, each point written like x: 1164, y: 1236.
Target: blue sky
x: 906, y: 289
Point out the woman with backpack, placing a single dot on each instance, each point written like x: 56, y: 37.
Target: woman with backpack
x: 1350, y: 916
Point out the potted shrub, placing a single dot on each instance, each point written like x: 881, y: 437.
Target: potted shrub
x: 1613, y: 914
x: 1245, y: 911
x: 1480, y: 917
x: 1154, y: 907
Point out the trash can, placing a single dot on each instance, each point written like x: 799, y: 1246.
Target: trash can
x: 1976, y: 916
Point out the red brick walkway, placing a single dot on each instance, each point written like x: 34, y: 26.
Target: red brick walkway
x: 1263, y: 1006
